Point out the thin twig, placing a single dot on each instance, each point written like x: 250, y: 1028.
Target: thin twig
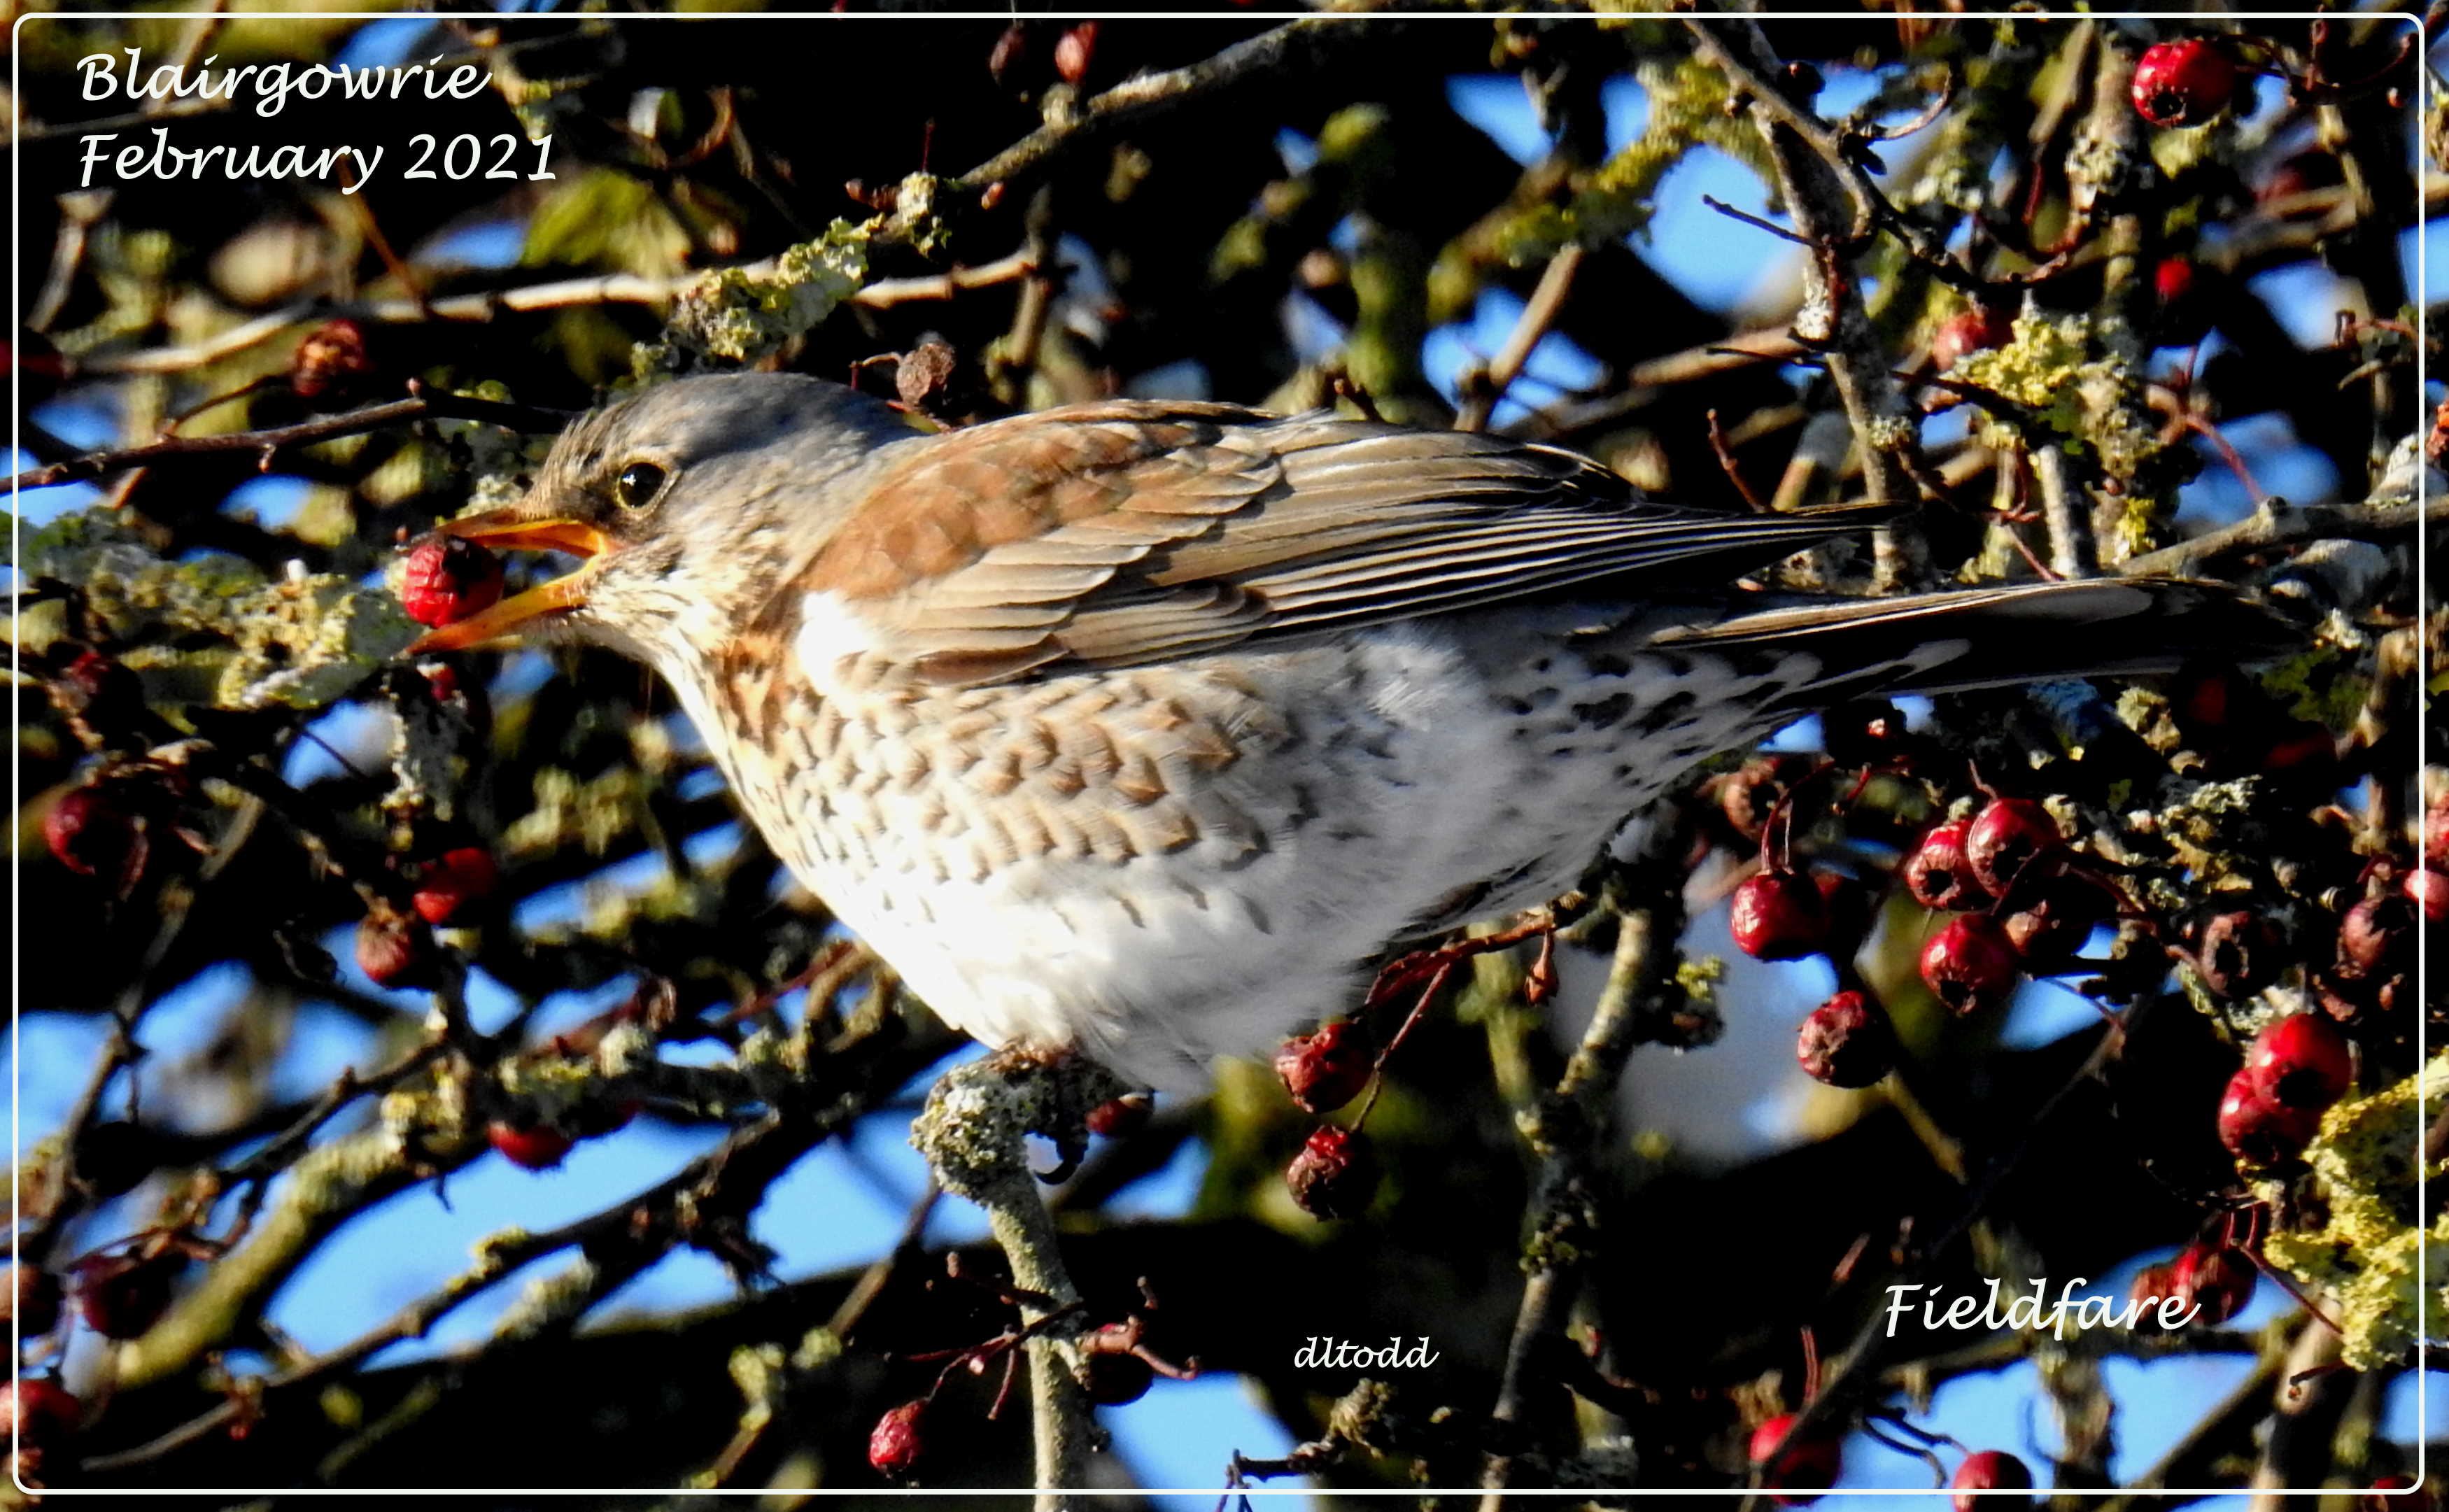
x: 419, y: 405
x: 1537, y: 316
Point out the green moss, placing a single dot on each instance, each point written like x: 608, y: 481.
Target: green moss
x: 2385, y: 1284
x: 1688, y: 105
x: 741, y: 315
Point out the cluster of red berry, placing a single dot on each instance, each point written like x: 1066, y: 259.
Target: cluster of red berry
x: 1788, y: 1462
x: 1115, y: 1365
x: 119, y: 1292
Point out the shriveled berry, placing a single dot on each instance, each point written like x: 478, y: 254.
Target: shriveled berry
x: 96, y: 832
x: 1970, y: 963
x: 460, y: 876
x: 1749, y: 795
x: 1335, y: 1175
x: 1974, y: 328
x: 1779, y: 915
x: 2215, y: 1278
x: 2301, y: 1061
x: 1076, y: 52
x: 1786, y: 1461
x: 2376, y: 937
x: 2429, y: 888
x: 332, y: 362
x: 535, y: 1146
x: 1119, y: 1117
x: 2007, y: 835
x: 120, y: 1296
x: 1989, y: 1471
x: 2239, y: 951
x: 1938, y: 875
x: 447, y: 579
x: 895, y: 1445
x: 2049, y: 930
x: 2260, y: 1132
x: 2183, y: 82
x: 39, y: 1412
x: 1326, y: 1070
x: 33, y: 1299
x: 1847, y: 1041
x: 395, y: 950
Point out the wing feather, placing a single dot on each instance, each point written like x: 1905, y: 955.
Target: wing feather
x: 1126, y: 532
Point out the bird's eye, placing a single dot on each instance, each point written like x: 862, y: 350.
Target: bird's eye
x: 638, y: 485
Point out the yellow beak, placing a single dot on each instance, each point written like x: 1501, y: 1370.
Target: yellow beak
x: 510, y: 531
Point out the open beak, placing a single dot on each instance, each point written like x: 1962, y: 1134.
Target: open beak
x: 512, y: 530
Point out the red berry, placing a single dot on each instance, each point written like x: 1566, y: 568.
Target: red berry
x: 33, y: 1299
x: 330, y: 362
x: 535, y: 1146
x: 96, y: 832
x: 120, y: 1296
x: 2185, y: 309
x: 1327, y: 1070
x: 39, y: 1411
x: 1937, y: 874
x: 2216, y: 1278
x: 460, y: 876
x: 1970, y: 962
x: 2153, y: 1285
x: 1122, y: 1116
x: 896, y: 1444
x: 1335, y: 1175
x: 1989, y: 1471
x: 1009, y: 49
x: 1779, y: 915
x: 2301, y: 1062
x: 1847, y: 1041
x: 2007, y: 835
x: 447, y: 579
x: 1075, y: 51
x: 441, y: 681
x: 1975, y: 328
x: 2429, y: 887
x: 1811, y: 1462
x: 2183, y: 82
x: 2260, y: 1132
x: 394, y: 950
x: 2239, y: 953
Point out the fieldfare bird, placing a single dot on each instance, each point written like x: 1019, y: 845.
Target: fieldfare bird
x: 1142, y: 728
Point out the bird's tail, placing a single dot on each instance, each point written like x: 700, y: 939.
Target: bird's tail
x: 1995, y: 637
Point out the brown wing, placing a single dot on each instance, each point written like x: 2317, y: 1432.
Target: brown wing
x: 1108, y: 535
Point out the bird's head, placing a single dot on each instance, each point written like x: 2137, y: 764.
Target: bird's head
x: 684, y: 505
